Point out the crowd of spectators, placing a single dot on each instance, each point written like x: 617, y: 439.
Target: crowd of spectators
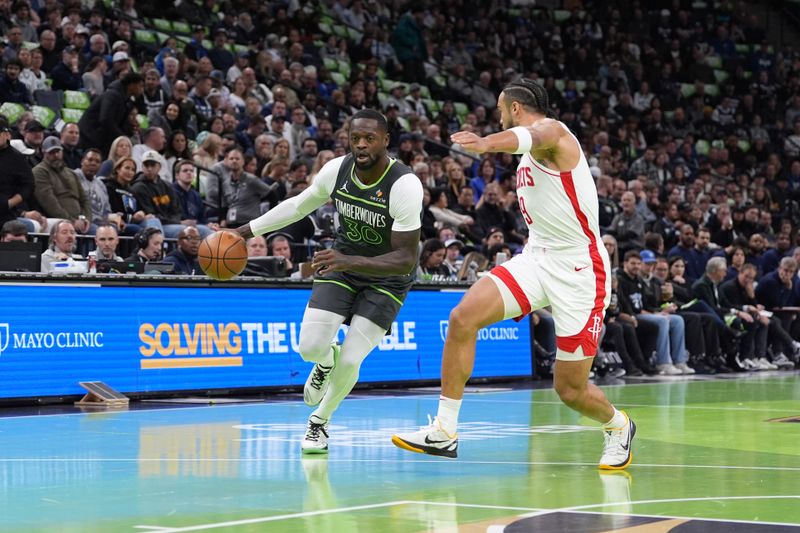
x: 689, y: 117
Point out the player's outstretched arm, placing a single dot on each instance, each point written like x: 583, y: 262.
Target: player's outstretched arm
x: 544, y: 135
x: 399, y: 262
x: 295, y: 208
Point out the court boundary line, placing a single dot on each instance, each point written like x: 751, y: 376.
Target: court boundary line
x: 584, y: 508
x: 743, y: 378
x: 735, y: 520
x: 532, y: 512
x: 362, y: 461
x: 638, y: 405
x: 274, y: 518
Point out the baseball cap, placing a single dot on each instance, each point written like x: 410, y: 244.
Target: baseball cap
x: 648, y: 256
x: 120, y: 56
x: 151, y: 155
x: 494, y: 229
x: 214, y: 92
x: 392, y: 105
x: 414, y: 87
x: 118, y: 44
x: 217, y: 75
x: 20, y: 146
x: 398, y: 86
x: 34, y: 125
x: 453, y: 242
x: 405, y: 137
x: 51, y: 144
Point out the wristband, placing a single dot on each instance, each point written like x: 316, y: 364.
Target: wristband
x: 524, y: 140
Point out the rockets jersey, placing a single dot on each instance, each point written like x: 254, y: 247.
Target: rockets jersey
x: 560, y: 208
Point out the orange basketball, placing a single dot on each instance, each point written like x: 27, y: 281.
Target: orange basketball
x: 222, y: 255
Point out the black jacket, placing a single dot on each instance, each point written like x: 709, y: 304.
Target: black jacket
x: 16, y: 178
x: 734, y: 294
x: 631, y: 293
x: 107, y: 118
x: 704, y: 290
x: 157, y: 198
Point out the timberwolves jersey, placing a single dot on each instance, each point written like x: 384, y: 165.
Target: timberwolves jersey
x: 365, y: 225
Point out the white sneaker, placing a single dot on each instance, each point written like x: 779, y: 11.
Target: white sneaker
x: 316, y: 439
x: 430, y: 439
x: 317, y: 381
x: 782, y: 362
x: 750, y: 364
x: 765, y: 364
x: 617, y: 452
x: 668, y: 370
x: 684, y: 368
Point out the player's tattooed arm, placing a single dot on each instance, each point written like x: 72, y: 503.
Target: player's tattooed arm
x: 399, y: 262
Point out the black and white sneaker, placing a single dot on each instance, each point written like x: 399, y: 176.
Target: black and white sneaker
x: 316, y: 439
x: 430, y: 439
x: 618, y: 452
x: 317, y: 381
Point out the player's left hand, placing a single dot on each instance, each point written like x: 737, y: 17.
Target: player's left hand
x: 329, y: 260
x: 470, y: 142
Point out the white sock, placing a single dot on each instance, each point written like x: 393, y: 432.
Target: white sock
x: 448, y: 414
x: 362, y: 337
x: 617, y: 421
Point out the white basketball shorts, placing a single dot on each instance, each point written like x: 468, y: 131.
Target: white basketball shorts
x: 575, y: 283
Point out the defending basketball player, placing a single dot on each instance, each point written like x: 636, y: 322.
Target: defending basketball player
x: 365, y: 277
x: 564, y: 265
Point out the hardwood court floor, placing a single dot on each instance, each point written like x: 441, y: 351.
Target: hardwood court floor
x: 710, y: 456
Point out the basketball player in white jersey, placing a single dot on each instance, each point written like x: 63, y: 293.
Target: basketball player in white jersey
x: 564, y: 265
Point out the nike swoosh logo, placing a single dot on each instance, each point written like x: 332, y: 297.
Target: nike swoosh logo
x: 578, y: 269
x: 625, y: 446
x: 429, y: 441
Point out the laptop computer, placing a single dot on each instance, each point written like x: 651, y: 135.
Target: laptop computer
x: 19, y: 256
x: 119, y: 267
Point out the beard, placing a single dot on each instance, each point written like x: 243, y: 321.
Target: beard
x: 371, y: 162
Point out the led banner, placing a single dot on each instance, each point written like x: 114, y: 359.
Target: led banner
x: 150, y: 339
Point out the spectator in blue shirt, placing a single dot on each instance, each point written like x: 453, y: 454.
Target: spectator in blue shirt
x: 220, y: 56
x: 773, y: 256
x: 185, y: 256
x: 66, y: 74
x: 695, y: 262
x: 192, y: 208
x: 778, y: 288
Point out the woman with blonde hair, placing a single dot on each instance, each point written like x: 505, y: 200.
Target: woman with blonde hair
x: 125, y: 212
x: 207, y: 155
x: 322, y: 157
x: 613, y: 251
x: 121, y: 147
x: 282, y: 149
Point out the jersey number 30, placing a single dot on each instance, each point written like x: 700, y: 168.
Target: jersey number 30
x: 358, y: 232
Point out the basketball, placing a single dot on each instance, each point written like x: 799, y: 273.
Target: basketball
x: 222, y: 255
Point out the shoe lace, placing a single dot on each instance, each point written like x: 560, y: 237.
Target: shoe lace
x: 430, y: 423
x: 319, y: 376
x: 314, y: 430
